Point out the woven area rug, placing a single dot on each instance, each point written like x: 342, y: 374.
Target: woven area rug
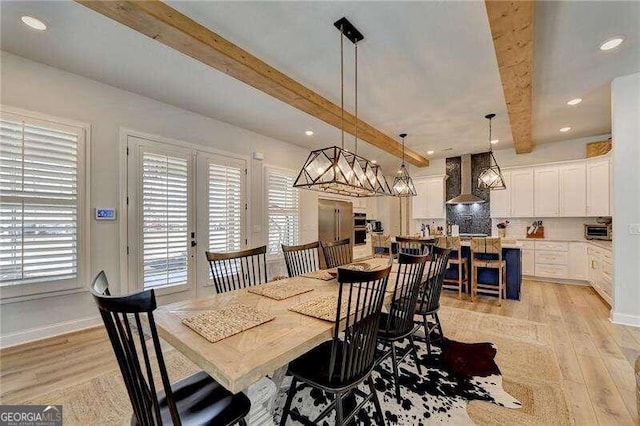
x: 530, y: 375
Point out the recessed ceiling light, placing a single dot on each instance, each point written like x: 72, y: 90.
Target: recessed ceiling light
x: 429, y: 152
x: 575, y: 101
x: 34, y: 23
x: 565, y: 129
x: 495, y: 141
x: 309, y: 132
x: 374, y: 161
x: 612, y: 43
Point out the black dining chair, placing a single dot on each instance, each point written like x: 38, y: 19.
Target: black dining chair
x: 194, y: 400
x: 339, y: 365
x: 413, y: 246
x: 238, y: 269
x: 302, y: 259
x: 428, y: 302
x: 337, y: 253
x: 397, y: 324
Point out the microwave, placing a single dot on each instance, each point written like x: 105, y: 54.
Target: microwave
x: 598, y: 231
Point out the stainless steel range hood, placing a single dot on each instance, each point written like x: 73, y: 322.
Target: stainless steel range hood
x: 466, y: 197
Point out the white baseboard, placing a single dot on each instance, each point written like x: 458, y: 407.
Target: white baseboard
x: 30, y: 335
x: 556, y: 280
x: 624, y: 319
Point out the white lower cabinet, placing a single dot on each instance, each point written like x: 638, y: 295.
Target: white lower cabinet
x: 578, y: 265
x: 600, y: 271
x: 528, y: 262
x: 578, y: 261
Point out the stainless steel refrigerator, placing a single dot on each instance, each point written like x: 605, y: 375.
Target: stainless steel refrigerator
x: 335, y: 220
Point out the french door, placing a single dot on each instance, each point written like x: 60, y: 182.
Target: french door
x: 181, y: 203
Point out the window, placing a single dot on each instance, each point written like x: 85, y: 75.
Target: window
x: 225, y: 207
x: 41, y: 209
x: 282, y: 206
x: 165, y: 219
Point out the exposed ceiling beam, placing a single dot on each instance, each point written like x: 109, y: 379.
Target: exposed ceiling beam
x: 511, y: 25
x: 170, y: 27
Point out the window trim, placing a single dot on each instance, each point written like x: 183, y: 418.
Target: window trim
x: 267, y: 168
x: 21, y: 292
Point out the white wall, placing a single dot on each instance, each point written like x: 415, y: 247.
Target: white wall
x: 573, y: 149
x: 43, y: 89
x: 625, y: 117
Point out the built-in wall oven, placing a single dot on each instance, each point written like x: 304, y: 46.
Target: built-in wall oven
x: 359, y: 229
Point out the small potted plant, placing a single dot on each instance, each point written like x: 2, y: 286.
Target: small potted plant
x: 502, y: 229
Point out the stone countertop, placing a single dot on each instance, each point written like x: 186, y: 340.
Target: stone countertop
x: 608, y: 245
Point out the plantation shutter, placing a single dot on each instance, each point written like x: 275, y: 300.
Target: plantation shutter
x: 165, y: 219
x: 225, y: 206
x: 39, y: 208
x: 282, y: 200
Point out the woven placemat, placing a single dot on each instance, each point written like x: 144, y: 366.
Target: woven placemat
x: 222, y: 323
x: 280, y: 290
x: 323, y: 274
x: 322, y: 307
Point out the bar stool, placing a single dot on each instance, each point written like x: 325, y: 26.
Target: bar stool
x: 484, y: 247
x: 381, y: 245
x: 453, y: 244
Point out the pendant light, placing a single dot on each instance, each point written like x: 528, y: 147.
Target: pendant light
x: 334, y: 169
x: 402, y: 183
x: 491, y: 177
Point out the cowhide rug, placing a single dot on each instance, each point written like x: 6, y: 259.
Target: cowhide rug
x: 455, y: 374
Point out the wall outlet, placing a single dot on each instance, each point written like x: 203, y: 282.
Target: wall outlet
x: 634, y: 229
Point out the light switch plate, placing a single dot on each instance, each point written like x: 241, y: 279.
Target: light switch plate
x: 634, y: 229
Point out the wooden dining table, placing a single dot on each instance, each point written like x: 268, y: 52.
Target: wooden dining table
x: 238, y: 361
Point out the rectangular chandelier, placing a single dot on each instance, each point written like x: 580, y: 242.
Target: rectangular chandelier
x: 338, y: 171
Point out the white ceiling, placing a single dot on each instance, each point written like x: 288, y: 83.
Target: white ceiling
x: 569, y: 64
x: 427, y: 68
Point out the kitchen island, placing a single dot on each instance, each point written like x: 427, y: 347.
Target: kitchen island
x: 511, y: 254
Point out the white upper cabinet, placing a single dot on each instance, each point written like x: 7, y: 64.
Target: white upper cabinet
x: 598, y: 187
x: 522, y: 193
x: 430, y: 202
x: 579, y: 188
x: 547, y: 192
x: 573, y: 189
x: 419, y: 202
x: 500, y: 199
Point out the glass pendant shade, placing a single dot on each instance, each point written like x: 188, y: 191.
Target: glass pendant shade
x: 403, y: 184
x: 337, y: 171
x: 491, y: 177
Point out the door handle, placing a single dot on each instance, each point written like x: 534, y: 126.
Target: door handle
x: 193, y: 240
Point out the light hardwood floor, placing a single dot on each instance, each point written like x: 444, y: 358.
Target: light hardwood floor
x: 596, y: 357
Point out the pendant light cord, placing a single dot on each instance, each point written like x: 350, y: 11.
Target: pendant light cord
x: 403, y: 150
x: 490, y: 147
x: 342, y: 83
x: 356, y: 84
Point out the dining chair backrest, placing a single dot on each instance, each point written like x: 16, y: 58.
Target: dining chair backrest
x: 486, y: 246
x: 302, y: 259
x: 405, y: 294
x: 238, y: 269
x: 362, y: 293
x: 122, y: 317
x: 337, y: 253
x: 412, y: 246
x: 429, y: 297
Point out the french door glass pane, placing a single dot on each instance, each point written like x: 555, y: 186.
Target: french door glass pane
x: 225, y: 208
x: 165, y: 220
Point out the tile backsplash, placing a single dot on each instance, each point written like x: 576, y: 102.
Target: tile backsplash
x: 559, y: 228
